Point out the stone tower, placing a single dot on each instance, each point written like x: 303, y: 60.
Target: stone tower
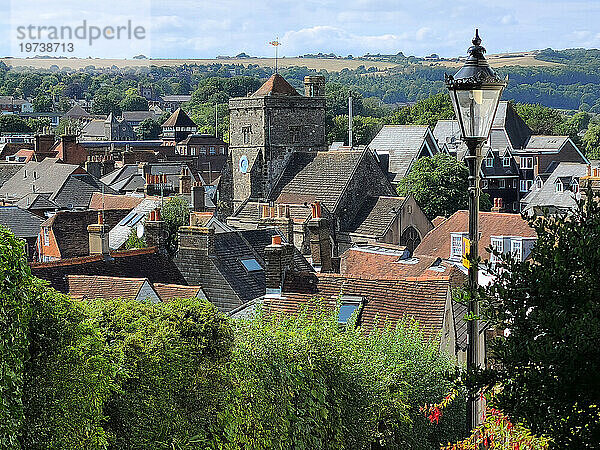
x: 267, y: 127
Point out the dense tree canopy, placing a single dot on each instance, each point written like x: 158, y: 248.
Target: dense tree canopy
x: 548, y: 363
x: 11, y: 123
x: 440, y: 185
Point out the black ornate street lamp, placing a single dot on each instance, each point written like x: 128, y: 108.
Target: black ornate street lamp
x: 475, y: 91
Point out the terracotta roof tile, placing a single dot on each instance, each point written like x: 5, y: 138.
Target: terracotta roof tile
x: 103, y: 287
x: 101, y: 201
x: 179, y: 119
x: 168, y: 292
x: 436, y: 243
x: 276, y: 85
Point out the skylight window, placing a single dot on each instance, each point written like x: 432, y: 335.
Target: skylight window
x: 127, y: 218
x: 251, y: 265
x: 350, y: 303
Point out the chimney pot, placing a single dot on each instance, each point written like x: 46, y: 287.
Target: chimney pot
x: 100, y: 218
x: 589, y: 170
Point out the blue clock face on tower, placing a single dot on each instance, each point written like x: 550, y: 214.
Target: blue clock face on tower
x: 244, y: 164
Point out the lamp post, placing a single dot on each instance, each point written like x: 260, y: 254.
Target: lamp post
x: 475, y: 91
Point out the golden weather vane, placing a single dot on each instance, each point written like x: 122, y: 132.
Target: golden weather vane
x: 276, y: 44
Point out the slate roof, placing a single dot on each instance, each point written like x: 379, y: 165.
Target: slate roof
x: 517, y: 130
x: 202, y: 139
x: 119, y: 232
x: 94, y: 129
x: 179, y: 119
x: 77, y: 191
x: 387, y: 301
x: 128, y: 177
x: 259, y: 239
x: 113, y: 201
x: 275, y: 85
x: 548, y: 197
x: 8, y: 170
x: 67, y: 185
x: 140, y: 263
x: 403, y: 143
x: 447, y: 132
x: 376, y: 216
x: 436, y: 243
x: 168, y: 292
x: 70, y: 229
x: 22, y: 223
x: 545, y: 143
x: 37, y: 202
x: 104, y: 287
x: 498, y: 169
x: 77, y: 112
x: 139, y: 116
x: 319, y: 176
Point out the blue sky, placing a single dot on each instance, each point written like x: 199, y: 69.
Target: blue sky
x: 204, y: 29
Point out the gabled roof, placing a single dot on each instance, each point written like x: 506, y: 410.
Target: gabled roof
x: 376, y: 216
x: 437, y: 242
x: 498, y: 169
x: 168, y: 292
x: 548, y: 197
x: 275, y: 85
x: 77, y: 112
x: 139, y: 263
x: 36, y: 201
x: 94, y: 128
x: 104, y: 287
x: 447, y: 132
x: 403, y: 143
x: 77, y: 191
x: 321, y: 176
x: 179, y: 119
x: 8, y: 170
x: 507, y: 119
x: 22, y: 223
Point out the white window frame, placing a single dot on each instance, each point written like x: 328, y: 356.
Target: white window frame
x: 558, y: 186
x: 522, y: 185
x: 494, y: 241
x: 502, y: 183
x: 506, y: 161
x: 456, y: 242
x: 575, y: 186
x: 526, y: 162
x: 46, y: 234
x: 528, y: 184
x: 489, y: 161
x: 516, y: 249
x: 484, y: 184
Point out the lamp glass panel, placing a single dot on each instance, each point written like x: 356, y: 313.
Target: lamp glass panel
x: 476, y: 108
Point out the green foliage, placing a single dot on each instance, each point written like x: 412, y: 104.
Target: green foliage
x: 148, y: 129
x: 42, y: 103
x: 301, y: 379
x: 106, y: 105
x: 175, y: 213
x: 440, y: 186
x: 171, y: 381
x: 11, y: 123
x: 68, y: 375
x: 424, y: 112
x: 133, y: 241
x: 591, y: 141
x: 66, y: 126
x: 364, y: 129
x: 541, y: 119
x: 14, y: 318
x: 549, y: 363
x: 134, y: 102
x: 37, y: 124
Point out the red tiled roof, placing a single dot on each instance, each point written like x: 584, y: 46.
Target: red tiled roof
x: 438, y: 221
x: 101, y: 201
x: 93, y: 258
x: 386, y: 301
x: 436, y: 243
x: 102, y: 287
x: 276, y: 85
x: 168, y: 292
x: 358, y: 263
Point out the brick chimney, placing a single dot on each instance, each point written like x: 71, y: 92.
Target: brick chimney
x: 185, y: 181
x: 198, y: 200
x: 93, y: 166
x: 43, y: 143
x: 320, y: 243
x: 279, y: 260
x: 278, y: 216
x: 98, y: 237
x: 155, y: 232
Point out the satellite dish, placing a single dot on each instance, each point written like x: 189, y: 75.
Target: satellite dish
x: 140, y: 230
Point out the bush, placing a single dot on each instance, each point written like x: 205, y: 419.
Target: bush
x: 171, y: 359
x: 300, y: 379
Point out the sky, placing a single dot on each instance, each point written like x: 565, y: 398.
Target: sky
x: 205, y: 29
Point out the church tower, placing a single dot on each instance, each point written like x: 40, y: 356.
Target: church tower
x: 267, y: 127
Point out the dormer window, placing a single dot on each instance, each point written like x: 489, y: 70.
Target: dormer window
x: 489, y: 160
x: 456, y: 246
x: 575, y: 186
x: 558, y: 186
x: 506, y: 161
x: 539, y: 183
